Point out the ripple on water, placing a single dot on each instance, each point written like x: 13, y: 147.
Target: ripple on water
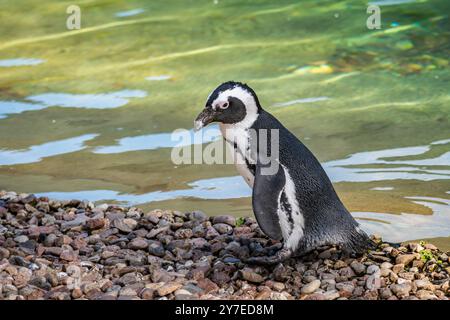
x: 163, y: 140
x: 68, y: 100
x: 297, y: 101
x: 397, y: 228
x: 36, y: 153
x: 20, y: 62
x: 91, y: 101
x: 158, y: 78
x: 390, y: 2
x: 129, y: 13
x: 346, y: 170
x: 216, y: 188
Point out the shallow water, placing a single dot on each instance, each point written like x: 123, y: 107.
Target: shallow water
x: 89, y: 113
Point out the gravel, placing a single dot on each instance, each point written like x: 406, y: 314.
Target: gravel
x: 63, y: 250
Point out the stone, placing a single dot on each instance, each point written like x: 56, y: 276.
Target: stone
x: 398, y: 268
x: 198, y: 216
x: 278, y: 286
x: 331, y: 295
x: 156, y: 248
x: 211, y: 233
x: 227, y: 219
x: 222, y: 228
x: 250, y: 275
x: 126, y: 225
x: 425, y: 295
x: 207, y: 285
x: 138, y: 244
x: 21, y: 239
x: 372, y: 269
x: 358, y: 267
x: 95, y: 223
x: 310, y: 287
x: 183, y: 234
x: 406, y: 259
x: 401, y: 290
x: 147, y: 294
x: 373, y: 282
x: 68, y: 255
x: 168, y: 288
x: 385, y: 293
x: 386, y: 265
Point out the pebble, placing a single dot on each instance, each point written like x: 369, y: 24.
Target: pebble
x: 138, y: 244
x: 406, y: 259
x: 222, y: 228
x: 401, y: 290
x: 125, y: 225
x: 227, y: 219
x: 250, y: 275
x: 74, y: 250
x: 310, y: 287
x: 358, y: 267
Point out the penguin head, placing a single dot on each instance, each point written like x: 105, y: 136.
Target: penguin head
x: 230, y: 103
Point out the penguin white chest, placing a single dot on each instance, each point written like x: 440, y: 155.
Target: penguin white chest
x: 237, y: 139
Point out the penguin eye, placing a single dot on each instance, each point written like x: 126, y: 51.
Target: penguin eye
x: 224, y: 105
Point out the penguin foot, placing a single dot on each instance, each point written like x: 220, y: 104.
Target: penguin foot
x: 278, y: 257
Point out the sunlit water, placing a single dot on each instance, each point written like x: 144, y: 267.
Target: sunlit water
x: 89, y: 114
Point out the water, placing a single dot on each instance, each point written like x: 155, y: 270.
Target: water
x: 89, y: 114
x: 19, y: 62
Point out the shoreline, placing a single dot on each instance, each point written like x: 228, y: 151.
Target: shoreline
x: 65, y: 250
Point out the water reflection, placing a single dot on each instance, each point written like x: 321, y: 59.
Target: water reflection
x: 409, y: 169
x: 10, y: 107
x: 217, y: 188
x: 93, y: 101
x: 297, y: 101
x: 129, y: 13
x: 20, y: 62
x: 36, y: 153
x: 158, y: 78
x: 67, y: 100
x: 396, y: 228
x: 390, y: 2
x: 161, y: 140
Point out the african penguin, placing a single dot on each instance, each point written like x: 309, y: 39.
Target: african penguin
x: 297, y: 202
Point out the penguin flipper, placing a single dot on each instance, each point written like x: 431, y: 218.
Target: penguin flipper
x: 265, y: 199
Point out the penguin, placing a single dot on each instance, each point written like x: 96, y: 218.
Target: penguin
x: 297, y: 203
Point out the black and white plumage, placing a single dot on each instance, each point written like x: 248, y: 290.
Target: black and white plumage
x: 298, y: 203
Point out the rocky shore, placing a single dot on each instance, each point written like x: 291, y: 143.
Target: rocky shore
x: 75, y: 250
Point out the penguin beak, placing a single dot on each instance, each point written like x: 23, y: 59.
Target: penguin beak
x: 203, y: 119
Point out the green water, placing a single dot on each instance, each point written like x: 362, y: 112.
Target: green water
x: 372, y: 90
